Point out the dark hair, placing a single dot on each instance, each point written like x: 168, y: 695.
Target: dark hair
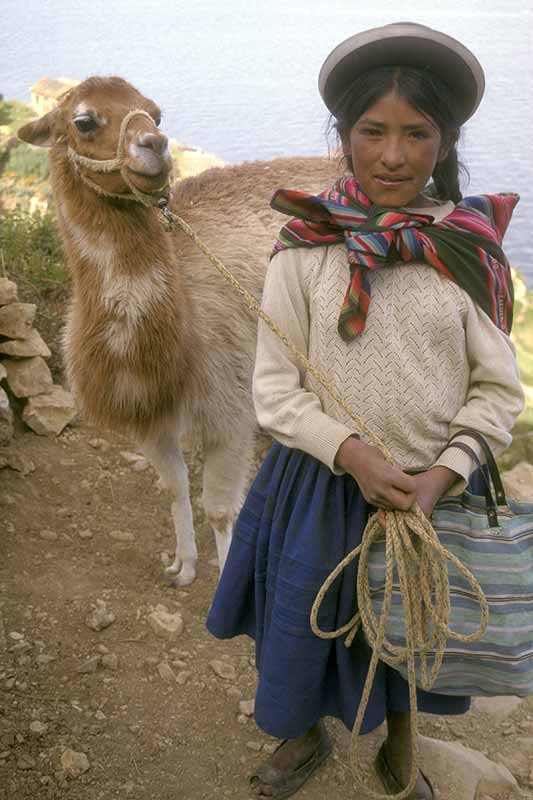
x: 424, y: 91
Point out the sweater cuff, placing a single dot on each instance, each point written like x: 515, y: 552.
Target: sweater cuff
x: 321, y: 436
x: 460, y: 462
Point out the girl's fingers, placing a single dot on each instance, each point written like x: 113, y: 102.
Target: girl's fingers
x: 401, y: 500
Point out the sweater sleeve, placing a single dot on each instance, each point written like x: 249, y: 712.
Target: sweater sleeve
x: 494, y: 398
x: 284, y: 408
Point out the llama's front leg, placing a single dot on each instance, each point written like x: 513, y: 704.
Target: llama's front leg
x: 165, y: 453
x: 224, y: 480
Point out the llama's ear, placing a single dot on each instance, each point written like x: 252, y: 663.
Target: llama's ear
x: 40, y: 132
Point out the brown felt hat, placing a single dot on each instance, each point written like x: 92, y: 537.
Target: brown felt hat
x: 404, y: 44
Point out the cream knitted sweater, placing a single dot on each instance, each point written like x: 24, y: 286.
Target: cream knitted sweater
x: 428, y: 363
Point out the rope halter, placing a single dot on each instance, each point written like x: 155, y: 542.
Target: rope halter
x: 118, y: 164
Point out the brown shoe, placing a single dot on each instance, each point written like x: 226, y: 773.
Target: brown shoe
x: 423, y: 789
x: 284, y: 783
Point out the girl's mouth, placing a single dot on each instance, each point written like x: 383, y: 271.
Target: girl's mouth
x: 387, y: 180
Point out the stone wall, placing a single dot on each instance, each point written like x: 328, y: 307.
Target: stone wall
x: 25, y: 379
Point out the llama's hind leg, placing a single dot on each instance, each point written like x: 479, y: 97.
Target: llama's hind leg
x: 224, y: 480
x: 165, y: 453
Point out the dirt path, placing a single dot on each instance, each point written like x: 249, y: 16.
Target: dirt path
x: 147, y: 733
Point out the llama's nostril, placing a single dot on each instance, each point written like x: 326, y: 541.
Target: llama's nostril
x: 157, y: 142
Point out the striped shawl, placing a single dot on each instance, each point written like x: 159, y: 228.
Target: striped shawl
x: 465, y: 246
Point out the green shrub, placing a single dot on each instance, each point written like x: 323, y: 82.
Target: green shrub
x: 13, y: 114
x: 27, y: 161
x: 30, y: 250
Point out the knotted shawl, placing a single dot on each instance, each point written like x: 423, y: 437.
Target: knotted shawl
x: 465, y: 246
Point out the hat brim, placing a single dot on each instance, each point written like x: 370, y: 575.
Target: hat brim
x: 404, y: 44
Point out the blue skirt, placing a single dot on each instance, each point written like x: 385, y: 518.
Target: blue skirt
x: 297, y: 522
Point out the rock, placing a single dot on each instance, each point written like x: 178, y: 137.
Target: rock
x: 223, y: 670
x: 165, y: 624
x: 19, y: 462
x: 16, y: 320
x: 183, y: 677
x: 101, y: 617
x: 85, y: 534
x: 28, y: 376
x: 110, y: 661
x: 8, y: 292
x: 166, y: 672
x: 518, y: 482
x: 26, y: 762
x: 131, y: 458
x: 525, y: 743
x: 246, y: 707
x: 517, y: 764
x: 74, y: 763
x: 256, y: 746
x: 16, y: 636
x: 521, y: 449
x: 3, y: 640
x: 99, y: 444
x: 6, y: 418
x: 141, y: 465
x: 3, y: 372
x: 500, y: 707
x: 48, y: 414
x: 38, y: 728
x: 464, y: 773
x: 34, y: 345
x: 122, y: 536
x: 49, y: 536
x: 43, y: 659
x: 90, y: 665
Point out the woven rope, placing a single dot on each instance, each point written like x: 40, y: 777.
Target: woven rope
x: 116, y: 164
x: 411, y: 545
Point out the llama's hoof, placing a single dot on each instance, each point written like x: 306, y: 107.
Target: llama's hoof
x: 183, y: 577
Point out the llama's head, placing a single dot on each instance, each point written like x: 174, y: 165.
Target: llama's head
x: 108, y: 131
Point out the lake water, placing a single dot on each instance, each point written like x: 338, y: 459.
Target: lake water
x: 238, y: 78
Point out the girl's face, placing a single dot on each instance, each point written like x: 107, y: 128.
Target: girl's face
x: 394, y: 150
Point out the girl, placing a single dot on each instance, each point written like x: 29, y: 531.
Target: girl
x: 407, y: 313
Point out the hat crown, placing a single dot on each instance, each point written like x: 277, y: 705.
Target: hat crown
x: 404, y: 44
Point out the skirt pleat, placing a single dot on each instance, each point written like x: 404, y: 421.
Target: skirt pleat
x: 298, y: 521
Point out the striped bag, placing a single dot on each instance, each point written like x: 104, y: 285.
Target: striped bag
x: 493, y: 538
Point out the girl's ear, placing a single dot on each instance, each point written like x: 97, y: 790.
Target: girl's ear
x: 443, y: 154
x: 345, y: 144
x: 444, y: 149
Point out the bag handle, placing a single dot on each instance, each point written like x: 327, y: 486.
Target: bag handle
x: 495, y: 476
x: 501, y: 500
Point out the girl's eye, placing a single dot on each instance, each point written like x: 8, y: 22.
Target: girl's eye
x: 371, y: 131
x: 418, y: 135
x: 85, y: 124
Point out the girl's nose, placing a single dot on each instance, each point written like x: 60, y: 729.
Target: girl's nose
x: 392, y: 155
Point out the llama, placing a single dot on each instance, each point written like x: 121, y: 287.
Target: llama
x: 156, y: 345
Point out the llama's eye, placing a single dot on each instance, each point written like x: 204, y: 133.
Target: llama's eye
x: 157, y: 121
x: 85, y: 124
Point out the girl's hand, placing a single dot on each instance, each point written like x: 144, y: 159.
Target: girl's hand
x: 430, y: 487
x: 381, y: 484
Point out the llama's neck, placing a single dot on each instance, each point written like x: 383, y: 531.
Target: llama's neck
x: 120, y: 255
x: 129, y: 340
